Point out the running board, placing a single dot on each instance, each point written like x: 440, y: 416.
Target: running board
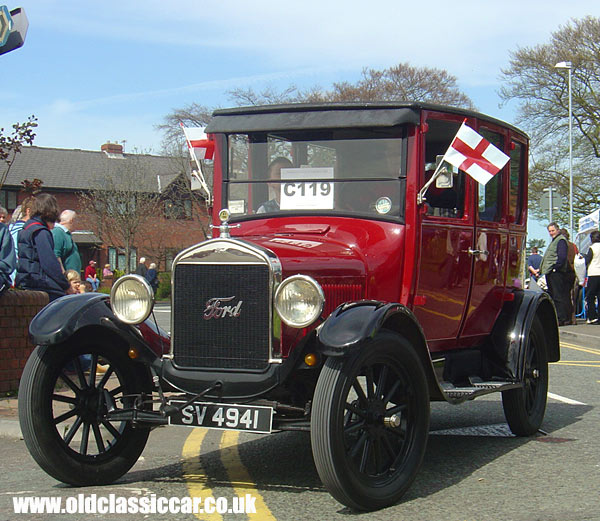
x: 477, y: 388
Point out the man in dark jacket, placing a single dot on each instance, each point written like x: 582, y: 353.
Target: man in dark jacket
x: 555, y: 267
x: 38, y: 268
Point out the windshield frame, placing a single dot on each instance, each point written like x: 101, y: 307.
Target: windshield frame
x: 390, y: 134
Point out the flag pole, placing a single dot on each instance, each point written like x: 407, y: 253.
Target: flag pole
x: 197, y: 173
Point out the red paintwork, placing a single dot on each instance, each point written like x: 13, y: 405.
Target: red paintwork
x: 423, y: 264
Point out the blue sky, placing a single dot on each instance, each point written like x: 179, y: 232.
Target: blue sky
x: 98, y: 71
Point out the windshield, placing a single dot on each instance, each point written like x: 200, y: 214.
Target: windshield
x: 341, y: 171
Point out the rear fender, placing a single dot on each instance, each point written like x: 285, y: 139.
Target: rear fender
x: 510, y: 336
x: 353, y: 325
x: 70, y: 315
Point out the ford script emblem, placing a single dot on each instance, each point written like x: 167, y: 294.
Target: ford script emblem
x: 216, y: 309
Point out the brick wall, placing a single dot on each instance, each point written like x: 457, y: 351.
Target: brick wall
x: 17, y: 308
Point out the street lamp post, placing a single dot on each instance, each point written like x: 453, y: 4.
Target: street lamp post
x: 569, y: 66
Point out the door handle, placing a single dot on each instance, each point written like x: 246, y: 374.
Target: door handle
x: 473, y: 252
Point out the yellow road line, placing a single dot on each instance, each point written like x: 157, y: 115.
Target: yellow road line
x: 584, y: 349
x: 193, y: 472
x: 239, y: 476
x: 578, y: 364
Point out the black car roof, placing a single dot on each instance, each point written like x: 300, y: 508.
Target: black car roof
x: 299, y: 116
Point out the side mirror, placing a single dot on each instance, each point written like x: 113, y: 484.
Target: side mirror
x: 444, y: 178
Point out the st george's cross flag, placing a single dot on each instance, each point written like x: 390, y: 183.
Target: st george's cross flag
x: 198, y: 143
x: 475, y: 155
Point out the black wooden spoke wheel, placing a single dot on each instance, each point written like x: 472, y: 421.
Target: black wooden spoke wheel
x: 370, y: 422
x: 65, y: 394
x: 524, y: 408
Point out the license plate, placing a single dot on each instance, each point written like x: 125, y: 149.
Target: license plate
x: 249, y: 418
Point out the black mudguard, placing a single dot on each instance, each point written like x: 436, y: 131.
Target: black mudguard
x: 511, y: 331
x: 352, y: 325
x: 64, y: 317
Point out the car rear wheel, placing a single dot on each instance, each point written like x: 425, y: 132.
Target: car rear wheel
x: 64, y: 396
x: 524, y: 408
x: 370, y: 422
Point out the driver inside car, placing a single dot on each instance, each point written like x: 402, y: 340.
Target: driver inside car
x: 274, y: 172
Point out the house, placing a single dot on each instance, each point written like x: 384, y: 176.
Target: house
x: 159, y: 212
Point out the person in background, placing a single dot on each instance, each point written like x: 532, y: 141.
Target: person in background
x: 19, y: 217
x: 3, y: 214
x: 64, y: 245
x: 37, y: 267
x: 8, y: 259
x: 75, y: 280
x: 152, y: 277
x: 534, y: 261
x: 592, y: 291
x: 555, y: 267
x: 572, y: 252
x: 91, y: 276
x: 107, y: 272
x: 141, y: 268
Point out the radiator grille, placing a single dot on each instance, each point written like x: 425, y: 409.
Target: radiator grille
x: 222, y: 342
x: 336, y: 294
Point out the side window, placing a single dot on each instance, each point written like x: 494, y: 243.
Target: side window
x: 443, y: 202
x: 490, y: 194
x: 517, y: 174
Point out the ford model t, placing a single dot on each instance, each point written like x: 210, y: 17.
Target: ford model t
x: 354, y: 276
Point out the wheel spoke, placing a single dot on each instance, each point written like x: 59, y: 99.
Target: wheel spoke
x: 397, y: 408
x: 354, y: 409
x: 73, y: 430
x: 64, y: 399
x: 105, y: 378
x: 110, y: 428
x: 66, y: 416
x: 356, y: 426
x: 377, y: 452
x: 388, y: 445
x: 98, y: 437
x: 358, y: 445
x: 85, y: 435
x: 93, y: 368
x: 63, y: 376
x: 359, y: 392
x: 381, y: 381
x: 391, y: 392
x: 80, y: 375
x: 364, y: 459
x: 116, y: 390
x: 370, y: 382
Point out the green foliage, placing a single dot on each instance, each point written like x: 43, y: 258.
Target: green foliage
x: 117, y: 274
x: 164, y: 286
x: 104, y: 290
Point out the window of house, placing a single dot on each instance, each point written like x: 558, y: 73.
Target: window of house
x: 8, y: 199
x: 178, y: 209
x: 117, y: 258
x: 490, y: 194
x: 112, y: 257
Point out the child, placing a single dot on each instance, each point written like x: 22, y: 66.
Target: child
x: 75, y: 281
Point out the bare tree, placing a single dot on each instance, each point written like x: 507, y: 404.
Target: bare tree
x: 541, y: 91
x: 10, y: 145
x: 121, y: 202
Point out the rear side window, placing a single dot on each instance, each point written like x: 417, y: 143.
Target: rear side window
x: 490, y: 194
x: 517, y: 176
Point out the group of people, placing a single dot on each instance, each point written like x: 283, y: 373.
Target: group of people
x: 559, y: 269
x: 37, y: 251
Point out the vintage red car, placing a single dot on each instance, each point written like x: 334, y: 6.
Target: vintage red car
x: 353, y: 278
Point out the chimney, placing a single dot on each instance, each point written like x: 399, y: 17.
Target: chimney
x: 112, y: 149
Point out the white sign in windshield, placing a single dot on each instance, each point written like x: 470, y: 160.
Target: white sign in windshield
x: 307, y: 189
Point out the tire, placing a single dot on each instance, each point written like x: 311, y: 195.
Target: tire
x: 365, y: 463
x: 62, y: 402
x: 524, y: 408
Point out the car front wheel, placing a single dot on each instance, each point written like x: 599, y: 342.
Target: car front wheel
x: 65, y: 394
x: 370, y: 423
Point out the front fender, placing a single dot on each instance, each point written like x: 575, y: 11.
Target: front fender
x: 64, y: 317
x: 352, y: 325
